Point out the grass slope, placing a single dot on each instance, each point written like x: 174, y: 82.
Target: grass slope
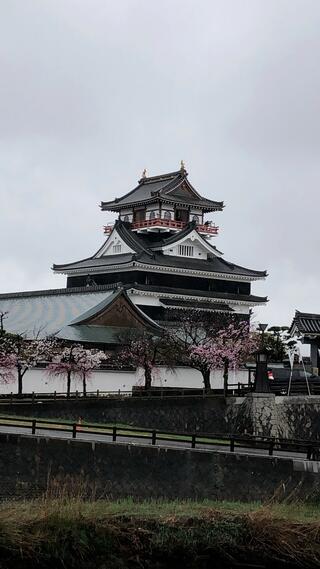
x: 69, y: 532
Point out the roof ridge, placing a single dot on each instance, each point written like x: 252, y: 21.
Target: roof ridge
x: 159, y: 177
x: 306, y: 314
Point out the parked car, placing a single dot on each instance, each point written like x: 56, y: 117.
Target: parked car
x: 280, y: 377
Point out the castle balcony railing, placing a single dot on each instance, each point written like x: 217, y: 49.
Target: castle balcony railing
x: 160, y: 224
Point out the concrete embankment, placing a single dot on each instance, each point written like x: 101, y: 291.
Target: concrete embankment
x: 27, y: 464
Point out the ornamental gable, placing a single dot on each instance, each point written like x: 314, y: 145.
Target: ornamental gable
x: 114, y: 245
x: 192, y: 246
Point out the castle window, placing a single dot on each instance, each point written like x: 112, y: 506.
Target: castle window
x: 195, y: 218
x: 167, y: 215
x: 126, y: 218
x: 152, y: 215
x: 185, y: 250
x: 116, y: 248
x: 139, y: 215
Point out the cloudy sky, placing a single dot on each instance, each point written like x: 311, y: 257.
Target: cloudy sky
x: 93, y: 91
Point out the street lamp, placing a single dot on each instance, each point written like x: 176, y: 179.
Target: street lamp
x: 262, y: 328
x: 261, y: 384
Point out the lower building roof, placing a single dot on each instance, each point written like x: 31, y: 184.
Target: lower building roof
x: 46, y: 312
x: 93, y: 334
x: 43, y: 314
x: 306, y: 323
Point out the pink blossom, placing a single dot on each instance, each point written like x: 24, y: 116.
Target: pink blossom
x: 231, y: 345
x: 7, y: 367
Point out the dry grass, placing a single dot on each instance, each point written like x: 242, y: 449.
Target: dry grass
x: 77, y: 532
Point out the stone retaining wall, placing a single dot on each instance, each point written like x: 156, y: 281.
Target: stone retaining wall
x: 293, y: 417
x: 258, y: 414
x: 189, y: 414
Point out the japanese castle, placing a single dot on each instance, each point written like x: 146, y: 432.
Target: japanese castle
x: 158, y: 258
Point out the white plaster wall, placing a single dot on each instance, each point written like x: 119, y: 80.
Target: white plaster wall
x: 152, y: 207
x: 125, y: 212
x: 142, y: 299
x: 37, y: 380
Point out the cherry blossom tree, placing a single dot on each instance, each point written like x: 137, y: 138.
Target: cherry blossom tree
x: 230, y: 347
x: 197, y: 329
x: 146, y: 350
x: 75, y: 361
x: 203, y: 338
x: 24, y: 354
x: 85, y: 362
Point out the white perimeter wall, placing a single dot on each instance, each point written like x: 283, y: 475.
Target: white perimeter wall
x: 37, y: 380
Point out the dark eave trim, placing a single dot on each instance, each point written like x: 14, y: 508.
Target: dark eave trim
x: 59, y: 291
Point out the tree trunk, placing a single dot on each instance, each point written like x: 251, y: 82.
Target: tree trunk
x: 225, y: 378
x: 147, y: 377
x: 84, y: 385
x: 206, y: 379
x: 68, y: 383
x: 20, y: 377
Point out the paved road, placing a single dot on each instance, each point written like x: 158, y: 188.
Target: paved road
x: 147, y: 441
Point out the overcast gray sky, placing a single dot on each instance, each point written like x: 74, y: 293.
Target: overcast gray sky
x: 93, y: 91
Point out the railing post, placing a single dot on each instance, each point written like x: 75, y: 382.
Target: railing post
x: 203, y: 392
x: 33, y: 427
x: 271, y: 447
x: 231, y: 444
x: 11, y: 396
x: 239, y: 388
x: 114, y: 434
x: 193, y: 441
x: 97, y: 392
x: 54, y: 395
x: 154, y: 437
x: 74, y: 430
x: 32, y: 397
x: 77, y: 393
x: 119, y: 392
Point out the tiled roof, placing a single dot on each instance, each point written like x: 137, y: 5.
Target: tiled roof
x: 164, y: 187
x: 227, y: 296
x: 104, y: 261
x: 213, y: 265
x: 92, y: 334
x: 306, y: 323
x: 47, y: 313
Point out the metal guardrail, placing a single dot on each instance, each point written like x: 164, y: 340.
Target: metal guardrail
x: 309, y: 448
x: 233, y: 389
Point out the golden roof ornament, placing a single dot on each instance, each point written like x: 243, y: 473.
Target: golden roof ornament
x: 182, y: 166
x: 144, y: 173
